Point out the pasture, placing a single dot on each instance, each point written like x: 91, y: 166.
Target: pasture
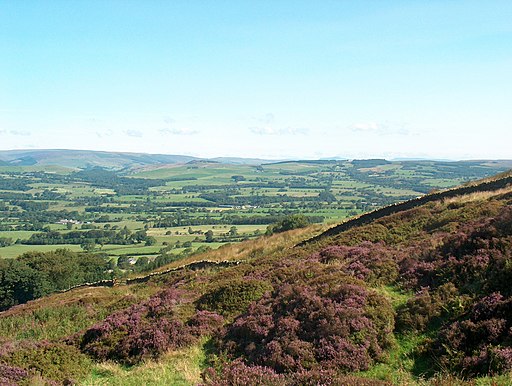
x: 170, y: 208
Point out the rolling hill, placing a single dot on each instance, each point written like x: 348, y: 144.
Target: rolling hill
x: 79, y: 159
x: 413, y: 294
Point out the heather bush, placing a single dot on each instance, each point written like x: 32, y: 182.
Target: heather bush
x: 204, y: 323
x: 237, y: 373
x: 407, y: 225
x: 481, y: 343
x: 233, y: 297
x: 53, y: 361
x: 299, y: 327
x: 144, y: 330
x: 11, y: 375
x: 425, y: 307
x: 323, y: 377
x: 371, y: 262
x: 476, y: 259
x: 373, y: 232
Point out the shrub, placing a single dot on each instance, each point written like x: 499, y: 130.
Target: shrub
x: 233, y: 297
x: 58, y: 362
x: 144, y: 330
x: 11, y: 375
x: 476, y: 259
x: 373, y: 263
x: 237, y: 373
x: 425, y: 307
x: 205, y: 323
x: 298, y: 328
x: 293, y: 221
x: 482, y: 342
x: 330, y: 378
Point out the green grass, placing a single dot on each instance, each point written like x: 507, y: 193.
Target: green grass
x: 23, y: 235
x: 401, y: 365
x: 49, y: 322
x: 180, y: 368
x: 18, y: 249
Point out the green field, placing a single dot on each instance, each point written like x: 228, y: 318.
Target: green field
x: 169, y: 209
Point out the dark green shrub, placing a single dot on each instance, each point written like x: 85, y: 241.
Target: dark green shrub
x: 232, y: 298
x: 54, y: 361
x: 290, y: 222
x: 425, y: 307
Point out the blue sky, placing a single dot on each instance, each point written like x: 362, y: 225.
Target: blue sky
x: 271, y: 79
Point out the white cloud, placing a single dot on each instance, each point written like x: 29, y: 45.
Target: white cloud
x: 134, y: 133
x: 380, y: 128
x: 20, y: 132
x: 266, y: 119
x: 181, y: 131
x: 367, y: 126
x: 23, y: 133
x: 267, y: 130
x: 104, y: 134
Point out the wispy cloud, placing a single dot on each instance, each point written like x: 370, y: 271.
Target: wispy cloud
x: 104, y: 134
x: 267, y: 130
x: 134, y: 133
x: 379, y: 128
x: 24, y: 133
x: 181, y: 131
x: 266, y: 119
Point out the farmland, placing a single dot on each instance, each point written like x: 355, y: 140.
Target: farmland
x: 179, y: 209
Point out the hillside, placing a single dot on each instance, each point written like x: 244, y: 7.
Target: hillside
x: 80, y: 159
x: 417, y: 293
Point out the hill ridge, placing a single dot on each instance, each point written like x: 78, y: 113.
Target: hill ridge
x: 366, y: 218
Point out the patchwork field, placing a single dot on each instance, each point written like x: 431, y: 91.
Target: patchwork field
x: 181, y: 209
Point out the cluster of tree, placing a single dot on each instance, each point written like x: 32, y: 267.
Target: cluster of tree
x: 5, y: 241
x: 123, y: 236
x: 35, y: 274
x: 224, y: 198
x: 31, y: 206
x: 184, y: 220
x: 111, y: 180
x: 287, y: 223
x: 18, y: 184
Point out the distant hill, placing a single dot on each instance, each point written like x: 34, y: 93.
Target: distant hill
x: 81, y: 159
x: 240, y: 161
